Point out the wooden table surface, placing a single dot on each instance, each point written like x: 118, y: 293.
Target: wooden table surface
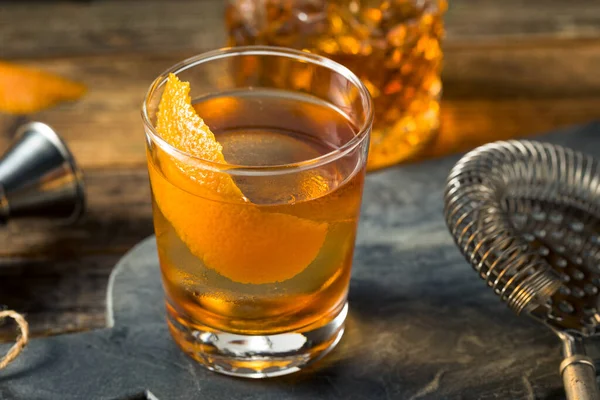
x: 512, y: 68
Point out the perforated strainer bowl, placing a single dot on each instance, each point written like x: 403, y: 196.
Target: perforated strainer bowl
x: 526, y: 215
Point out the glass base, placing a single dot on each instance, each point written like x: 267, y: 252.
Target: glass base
x: 254, y: 356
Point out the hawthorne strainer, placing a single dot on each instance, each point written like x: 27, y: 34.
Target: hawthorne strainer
x: 526, y: 215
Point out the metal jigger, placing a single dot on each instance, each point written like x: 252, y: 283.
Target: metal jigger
x: 39, y: 178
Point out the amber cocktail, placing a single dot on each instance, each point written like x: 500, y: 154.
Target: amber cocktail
x: 256, y: 188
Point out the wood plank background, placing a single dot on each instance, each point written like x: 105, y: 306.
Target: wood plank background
x: 512, y: 68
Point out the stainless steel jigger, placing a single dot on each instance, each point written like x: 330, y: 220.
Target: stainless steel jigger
x: 39, y: 177
x: 526, y: 215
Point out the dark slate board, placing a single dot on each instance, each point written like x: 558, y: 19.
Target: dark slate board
x: 422, y: 324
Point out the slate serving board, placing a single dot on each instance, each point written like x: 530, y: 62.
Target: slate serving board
x: 422, y: 324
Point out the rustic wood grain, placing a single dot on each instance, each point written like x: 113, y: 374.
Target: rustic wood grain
x: 58, y: 274
x: 490, y: 20
x: 56, y: 295
x: 118, y: 216
x: 124, y: 26
x: 489, y: 94
x: 104, y: 27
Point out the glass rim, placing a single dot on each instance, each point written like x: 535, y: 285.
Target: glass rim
x: 298, y: 55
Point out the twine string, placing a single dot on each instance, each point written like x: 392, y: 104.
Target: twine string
x: 22, y: 338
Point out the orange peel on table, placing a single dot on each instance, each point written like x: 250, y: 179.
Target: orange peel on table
x: 234, y: 237
x: 26, y: 90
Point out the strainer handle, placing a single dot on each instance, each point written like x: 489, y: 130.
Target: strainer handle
x: 579, y: 378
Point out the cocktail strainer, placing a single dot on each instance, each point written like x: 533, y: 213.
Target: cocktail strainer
x: 526, y: 215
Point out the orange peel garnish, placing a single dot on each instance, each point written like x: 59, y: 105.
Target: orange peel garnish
x: 26, y: 90
x: 237, y: 239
